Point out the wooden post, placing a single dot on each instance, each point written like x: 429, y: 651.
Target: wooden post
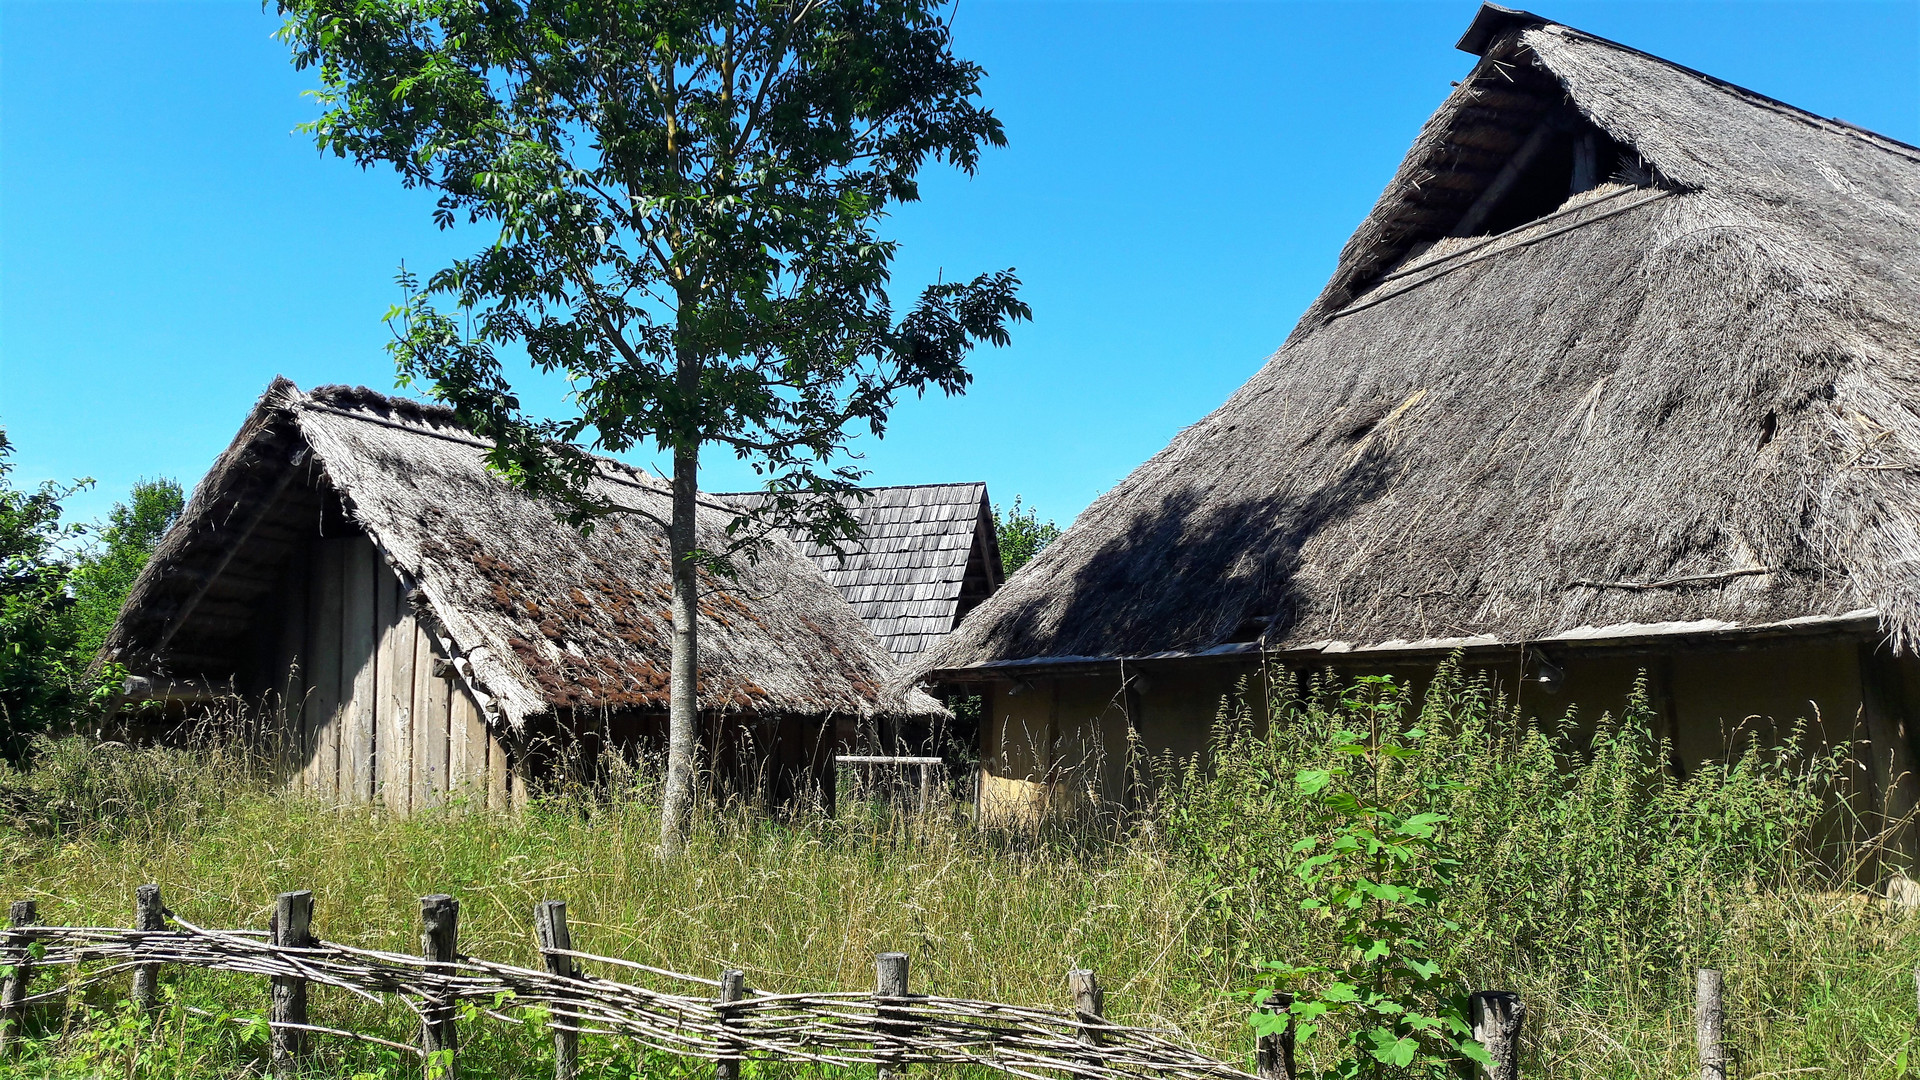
x: 439, y: 943
x: 733, y: 987
x: 148, y: 914
x: 1496, y: 1016
x: 889, y: 981
x: 292, y: 928
x: 1089, y: 1002
x: 1273, y: 1053
x: 550, y: 932
x: 1709, y: 1020
x: 926, y: 787
x: 14, y: 990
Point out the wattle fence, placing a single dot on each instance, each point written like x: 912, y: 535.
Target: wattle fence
x: 718, y: 1020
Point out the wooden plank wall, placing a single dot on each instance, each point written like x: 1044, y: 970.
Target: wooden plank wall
x: 368, y: 719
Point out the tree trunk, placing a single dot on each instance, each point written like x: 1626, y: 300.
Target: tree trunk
x: 683, y: 709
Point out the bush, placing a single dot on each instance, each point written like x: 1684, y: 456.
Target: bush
x: 1580, y: 859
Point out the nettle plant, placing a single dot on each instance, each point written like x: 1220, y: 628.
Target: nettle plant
x: 1374, y: 862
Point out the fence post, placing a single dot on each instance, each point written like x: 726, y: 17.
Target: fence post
x: 439, y: 944
x: 733, y: 987
x: 1273, y: 1053
x: 291, y: 928
x: 1496, y: 1016
x: 1709, y: 1018
x: 1089, y: 1002
x: 148, y: 914
x: 889, y: 981
x: 14, y: 990
x: 550, y: 932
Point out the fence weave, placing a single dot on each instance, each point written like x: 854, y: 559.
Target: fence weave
x: 845, y: 1028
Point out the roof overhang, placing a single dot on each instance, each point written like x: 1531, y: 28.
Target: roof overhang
x: 1490, y: 22
x: 1625, y: 638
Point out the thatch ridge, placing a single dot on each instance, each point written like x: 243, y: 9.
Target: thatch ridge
x: 1705, y: 406
x: 541, y: 616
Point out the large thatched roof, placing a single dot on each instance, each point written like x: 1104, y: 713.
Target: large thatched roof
x: 540, y: 616
x: 926, y: 555
x: 1687, y: 396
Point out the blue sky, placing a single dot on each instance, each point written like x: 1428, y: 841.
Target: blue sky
x: 1179, y: 181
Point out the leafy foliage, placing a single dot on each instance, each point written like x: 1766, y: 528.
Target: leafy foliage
x: 61, y: 587
x: 1374, y: 864
x: 104, y: 572
x: 1567, y: 854
x: 1021, y: 534
x: 687, y: 196
x: 37, y: 625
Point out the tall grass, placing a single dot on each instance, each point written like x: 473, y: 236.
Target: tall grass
x: 1592, y: 881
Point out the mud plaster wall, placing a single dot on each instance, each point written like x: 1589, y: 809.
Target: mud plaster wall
x: 1064, y: 739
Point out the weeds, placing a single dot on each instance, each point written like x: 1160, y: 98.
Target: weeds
x: 1590, y: 880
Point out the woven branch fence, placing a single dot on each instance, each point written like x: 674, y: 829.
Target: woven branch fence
x: 718, y: 1020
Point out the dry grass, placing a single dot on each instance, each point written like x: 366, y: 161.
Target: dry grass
x: 1820, y: 982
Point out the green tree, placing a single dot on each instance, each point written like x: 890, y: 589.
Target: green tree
x: 104, y: 574
x: 37, y: 627
x: 1022, y: 535
x: 687, y: 195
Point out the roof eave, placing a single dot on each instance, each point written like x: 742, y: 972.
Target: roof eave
x: 1622, y: 636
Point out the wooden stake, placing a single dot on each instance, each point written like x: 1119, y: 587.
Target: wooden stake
x: 148, y: 914
x: 733, y: 987
x: 1496, y: 1016
x: 1273, y: 1054
x: 550, y: 932
x: 439, y: 943
x: 889, y: 981
x: 14, y: 990
x: 292, y: 928
x: 1089, y: 1002
x: 1709, y: 1020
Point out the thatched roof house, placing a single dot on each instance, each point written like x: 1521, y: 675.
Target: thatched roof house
x: 1625, y: 358
x: 927, y: 555
x: 359, y: 543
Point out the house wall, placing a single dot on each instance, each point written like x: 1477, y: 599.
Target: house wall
x: 1061, y: 741
x: 364, y: 717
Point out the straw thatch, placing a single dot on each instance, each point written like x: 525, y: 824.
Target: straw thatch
x: 926, y: 555
x: 539, y: 617
x: 1687, y: 395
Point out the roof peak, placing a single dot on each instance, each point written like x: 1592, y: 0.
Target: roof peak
x: 1493, y: 22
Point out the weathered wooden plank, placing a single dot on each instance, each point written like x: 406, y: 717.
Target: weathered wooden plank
x: 401, y: 682
x: 498, y: 797
x: 359, y: 674
x: 419, y: 767
x: 459, y: 770
x: 290, y: 678
x: 470, y: 732
x: 430, y: 717
x: 393, y: 697
x: 323, y: 696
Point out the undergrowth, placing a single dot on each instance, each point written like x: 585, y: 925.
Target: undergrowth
x: 1586, y: 876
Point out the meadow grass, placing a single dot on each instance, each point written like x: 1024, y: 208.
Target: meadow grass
x: 1588, y: 883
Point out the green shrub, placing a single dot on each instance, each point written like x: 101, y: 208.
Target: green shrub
x: 1581, y: 858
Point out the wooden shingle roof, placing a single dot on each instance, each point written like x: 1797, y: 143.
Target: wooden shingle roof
x: 927, y: 555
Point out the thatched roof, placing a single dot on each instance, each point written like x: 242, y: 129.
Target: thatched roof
x: 927, y: 554
x: 1688, y: 397
x: 540, y: 616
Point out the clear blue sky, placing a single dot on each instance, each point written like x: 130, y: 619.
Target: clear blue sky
x: 1180, y: 179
